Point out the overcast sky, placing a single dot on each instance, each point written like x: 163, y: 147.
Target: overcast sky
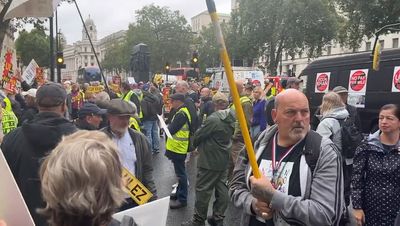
x: 114, y: 15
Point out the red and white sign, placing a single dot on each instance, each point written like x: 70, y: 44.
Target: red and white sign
x: 396, y: 79
x: 358, y: 81
x: 322, y: 82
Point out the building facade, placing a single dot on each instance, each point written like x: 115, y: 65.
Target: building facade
x: 203, y: 19
x: 80, y: 54
x: 298, y: 62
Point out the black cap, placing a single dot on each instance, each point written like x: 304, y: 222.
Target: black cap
x: 177, y: 96
x: 90, y: 109
x: 120, y: 107
x: 51, y: 95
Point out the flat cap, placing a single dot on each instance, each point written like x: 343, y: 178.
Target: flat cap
x: 220, y: 97
x: 120, y: 107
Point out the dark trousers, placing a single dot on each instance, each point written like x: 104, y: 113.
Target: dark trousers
x: 179, y: 165
x: 209, y: 181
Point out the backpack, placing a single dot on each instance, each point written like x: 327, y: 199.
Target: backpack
x: 351, y: 137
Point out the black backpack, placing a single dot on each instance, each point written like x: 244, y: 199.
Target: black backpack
x: 351, y: 137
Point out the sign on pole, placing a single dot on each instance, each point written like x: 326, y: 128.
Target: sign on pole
x: 30, y: 72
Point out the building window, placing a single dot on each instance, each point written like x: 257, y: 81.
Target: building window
x: 91, y: 28
x: 86, y: 57
x: 368, y: 46
x: 329, y: 50
x: 92, y: 57
x: 395, y: 43
x: 85, y: 49
x: 286, y: 56
x: 382, y: 42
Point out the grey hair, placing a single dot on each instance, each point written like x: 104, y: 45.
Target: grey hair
x: 182, y: 83
x: 82, y: 180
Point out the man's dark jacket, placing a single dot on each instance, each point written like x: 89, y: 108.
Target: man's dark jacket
x: 24, y: 149
x: 150, y: 106
x: 144, y: 160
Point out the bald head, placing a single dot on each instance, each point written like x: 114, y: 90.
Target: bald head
x: 292, y: 115
x: 239, y: 86
x: 205, y: 92
x: 290, y: 95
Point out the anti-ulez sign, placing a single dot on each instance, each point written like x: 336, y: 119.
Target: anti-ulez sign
x: 322, y: 82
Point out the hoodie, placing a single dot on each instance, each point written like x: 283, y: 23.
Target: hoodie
x: 329, y: 126
x: 150, y: 105
x: 376, y: 181
x: 24, y: 149
x: 214, y: 141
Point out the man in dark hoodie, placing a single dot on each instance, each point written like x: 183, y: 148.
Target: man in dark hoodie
x: 25, y: 146
x: 150, y: 109
x: 214, y: 141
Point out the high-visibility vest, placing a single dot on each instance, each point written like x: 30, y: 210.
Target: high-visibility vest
x: 128, y: 96
x: 243, y: 100
x: 9, y: 121
x: 133, y: 123
x: 273, y: 92
x: 179, y: 143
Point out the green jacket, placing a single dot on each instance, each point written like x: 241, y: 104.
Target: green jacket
x: 214, y: 141
x: 247, y: 106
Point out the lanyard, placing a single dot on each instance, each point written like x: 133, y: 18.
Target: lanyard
x: 275, y: 164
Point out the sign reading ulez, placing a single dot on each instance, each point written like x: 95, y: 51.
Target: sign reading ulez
x: 138, y: 192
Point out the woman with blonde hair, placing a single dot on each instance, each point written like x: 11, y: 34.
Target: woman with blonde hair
x: 82, y: 181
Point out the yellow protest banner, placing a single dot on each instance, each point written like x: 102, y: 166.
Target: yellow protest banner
x: 95, y: 89
x: 138, y: 192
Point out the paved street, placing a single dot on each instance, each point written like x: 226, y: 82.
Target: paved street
x: 165, y: 177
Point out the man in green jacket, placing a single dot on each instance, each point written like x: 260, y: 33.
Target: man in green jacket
x: 214, y: 142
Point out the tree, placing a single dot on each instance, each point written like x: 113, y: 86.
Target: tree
x: 116, y: 58
x: 362, y: 18
x: 33, y: 45
x: 166, y: 33
x: 208, y: 48
x: 269, y: 27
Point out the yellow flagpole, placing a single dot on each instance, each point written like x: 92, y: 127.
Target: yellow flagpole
x: 235, y: 94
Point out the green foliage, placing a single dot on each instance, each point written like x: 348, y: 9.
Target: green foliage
x: 208, y: 48
x: 33, y: 45
x: 364, y: 17
x: 267, y: 27
x: 116, y: 58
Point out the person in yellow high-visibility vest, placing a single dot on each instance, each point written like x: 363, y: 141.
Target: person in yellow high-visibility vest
x: 9, y: 120
x: 129, y: 95
x: 177, y: 147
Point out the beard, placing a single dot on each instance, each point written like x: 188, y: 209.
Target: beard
x: 119, y: 131
x: 298, y: 132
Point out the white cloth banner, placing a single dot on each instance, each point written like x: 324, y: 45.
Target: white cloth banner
x: 31, y: 8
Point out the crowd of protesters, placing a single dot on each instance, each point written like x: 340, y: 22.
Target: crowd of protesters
x: 305, y: 179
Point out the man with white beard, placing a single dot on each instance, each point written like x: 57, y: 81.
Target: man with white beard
x: 133, y: 146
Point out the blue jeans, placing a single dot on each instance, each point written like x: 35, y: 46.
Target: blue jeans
x: 152, y: 134
x: 179, y: 165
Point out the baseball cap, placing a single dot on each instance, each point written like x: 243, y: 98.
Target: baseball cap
x: 120, y: 107
x: 177, y: 96
x: 293, y: 80
x: 30, y: 92
x: 340, y: 89
x: 51, y: 95
x: 219, y: 97
x: 90, y: 109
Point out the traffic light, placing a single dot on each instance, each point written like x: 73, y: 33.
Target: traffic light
x: 60, y: 60
x: 167, y: 67
x: 195, y: 60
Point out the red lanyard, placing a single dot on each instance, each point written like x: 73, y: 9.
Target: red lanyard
x: 276, y: 165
